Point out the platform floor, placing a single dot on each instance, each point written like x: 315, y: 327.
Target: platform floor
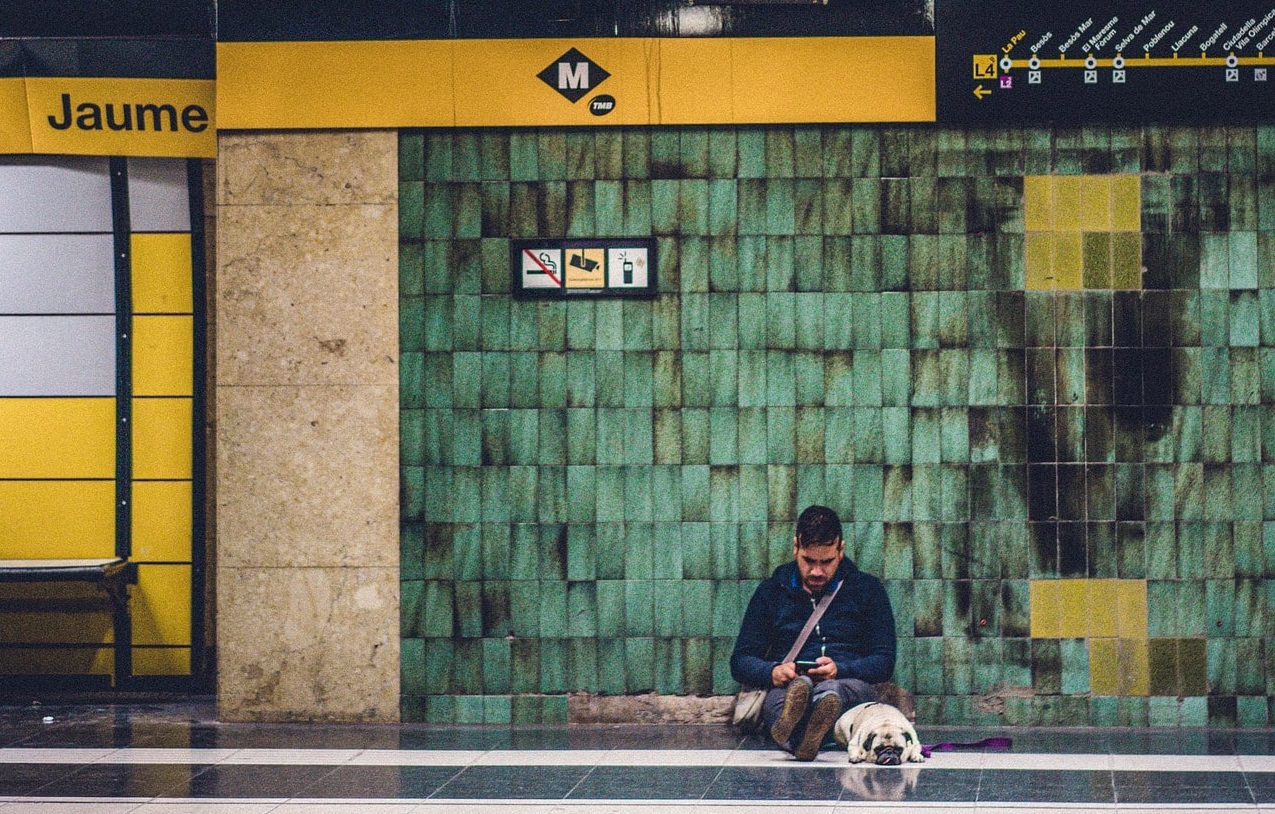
x: 176, y: 759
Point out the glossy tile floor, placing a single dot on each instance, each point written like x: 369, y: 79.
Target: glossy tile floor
x: 175, y: 758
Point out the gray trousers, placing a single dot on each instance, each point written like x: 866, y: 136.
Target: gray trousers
x: 852, y: 692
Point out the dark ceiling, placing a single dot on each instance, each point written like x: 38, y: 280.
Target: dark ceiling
x: 283, y: 20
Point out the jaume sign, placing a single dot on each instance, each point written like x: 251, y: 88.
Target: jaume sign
x: 143, y: 117
x: 134, y: 116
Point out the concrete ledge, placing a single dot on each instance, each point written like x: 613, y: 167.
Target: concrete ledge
x: 650, y: 708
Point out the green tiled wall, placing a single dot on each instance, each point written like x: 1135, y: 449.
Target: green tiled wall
x: 591, y: 489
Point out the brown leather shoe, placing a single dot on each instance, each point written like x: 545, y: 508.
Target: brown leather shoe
x: 796, y: 700
x: 826, y: 712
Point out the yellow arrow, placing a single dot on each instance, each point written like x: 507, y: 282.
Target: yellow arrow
x: 981, y: 91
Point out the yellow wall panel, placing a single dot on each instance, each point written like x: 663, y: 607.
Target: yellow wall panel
x: 1046, y: 610
x: 1135, y: 667
x: 1068, y: 261
x: 57, y: 661
x: 1096, y: 249
x: 1104, y: 667
x: 57, y: 438
x: 1040, y: 260
x: 1103, y: 604
x: 162, y: 520
x: 162, y: 274
x: 702, y: 64
x: 1095, y: 203
x: 45, y: 623
x: 163, y: 356
x: 1132, y: 608
x: 1126, y: 260
x: 57, y: 519
x: 15, y: 134
x: 878, y: 79
x: 162, y: 439
x: 161, y: 661
x: 1066, y: 203
x: 1073, y: 599
x: 1038, y: 203
x: 1126, y: 203
x: 161, y: 605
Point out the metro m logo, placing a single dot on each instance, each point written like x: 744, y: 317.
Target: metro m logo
x: 573, y: 75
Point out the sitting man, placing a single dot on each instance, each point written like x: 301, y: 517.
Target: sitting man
x: 852, y: 646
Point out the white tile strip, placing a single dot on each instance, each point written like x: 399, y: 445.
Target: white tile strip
x: 631, y: 757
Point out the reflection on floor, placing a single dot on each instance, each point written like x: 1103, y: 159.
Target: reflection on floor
x: 175, y: 758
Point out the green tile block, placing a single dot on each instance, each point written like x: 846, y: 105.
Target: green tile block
x: 524, y: 164
x: 610, y: 598
x: 554, y: 676
x: 691, y: 209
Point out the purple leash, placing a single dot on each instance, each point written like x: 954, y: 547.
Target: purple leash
x: 995, y: 744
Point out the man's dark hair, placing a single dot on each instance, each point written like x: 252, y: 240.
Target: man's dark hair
x: 818, y: 525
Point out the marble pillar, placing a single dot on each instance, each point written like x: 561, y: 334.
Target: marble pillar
x: 306, y: 405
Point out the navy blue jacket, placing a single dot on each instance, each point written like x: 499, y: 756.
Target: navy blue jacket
x: 857, y: 630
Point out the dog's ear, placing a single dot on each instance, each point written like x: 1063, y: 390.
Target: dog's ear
x: 907, y: 737
x: 868, y: 741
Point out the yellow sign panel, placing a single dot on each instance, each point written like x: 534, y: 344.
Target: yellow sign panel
x: 586, y: 268
x: 130, y: 117
x: 584, y: 82
x: 15, y: 134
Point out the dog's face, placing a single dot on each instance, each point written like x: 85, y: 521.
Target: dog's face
x: 878, y: 733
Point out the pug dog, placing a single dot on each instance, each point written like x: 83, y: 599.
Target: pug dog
x: 878, y: 733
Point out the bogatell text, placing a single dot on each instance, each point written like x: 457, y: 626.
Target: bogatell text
x: 138, y: 117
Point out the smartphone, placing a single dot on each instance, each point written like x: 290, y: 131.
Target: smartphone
x: 804, y: 667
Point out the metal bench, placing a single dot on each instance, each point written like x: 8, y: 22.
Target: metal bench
x: 112, y: 574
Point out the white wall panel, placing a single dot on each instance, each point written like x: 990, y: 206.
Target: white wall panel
x: 63, y: 194
x: 57, y: 274
x: 158, y: 198
x: 57, y: 356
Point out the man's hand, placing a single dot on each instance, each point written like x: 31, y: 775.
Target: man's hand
x: 782, y: 674
x: 826, y: 670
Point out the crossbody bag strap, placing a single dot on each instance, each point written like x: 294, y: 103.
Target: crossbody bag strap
x: 811, y: 622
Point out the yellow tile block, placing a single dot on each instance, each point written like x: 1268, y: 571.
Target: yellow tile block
x: 1068, y: 261
x: 1104, y: 667
x: 26, y: 661
x: 161, y: 272
x: 1126, y: 260
x: 1073, y: 599
x: 1103, y: 608
x: 1135, y: 668
x: 162, y: 521
x: 162, y: 440
x: 1067, y: 203
x: 57, y: 438
x: 1132, y: 608
x: 1046, y: 608
x: 58, y: 519
x: 1038, y: 203
x: 1126, y: 203
x: 1096, y: 252
x: 163, y: 356
x: 161, y: 661
x: 161, y: 605
x: 1040, y: 260
x: 44, y: 623
x: 1095, y: 203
